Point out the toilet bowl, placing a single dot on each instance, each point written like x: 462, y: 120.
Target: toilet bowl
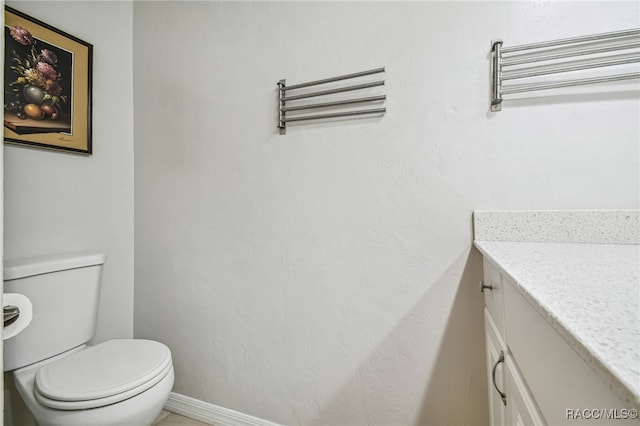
x: 61, y: 380
x: 71, y: 400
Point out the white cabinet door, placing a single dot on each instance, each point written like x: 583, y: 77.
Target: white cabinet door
x: 521, y: 409
x: 495, y: 370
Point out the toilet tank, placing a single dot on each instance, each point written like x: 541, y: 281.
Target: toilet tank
x: 64, y: 290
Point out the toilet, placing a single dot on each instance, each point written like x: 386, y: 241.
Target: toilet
x: 61, y: 379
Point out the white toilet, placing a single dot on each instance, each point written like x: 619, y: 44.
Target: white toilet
x: 62, y: 380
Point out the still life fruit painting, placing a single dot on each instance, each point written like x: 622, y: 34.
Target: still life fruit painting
x: 47, y: 85
x: 38, y: 98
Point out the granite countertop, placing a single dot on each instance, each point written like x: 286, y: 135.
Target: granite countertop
x: 582, y: 274
x: 590, y: 294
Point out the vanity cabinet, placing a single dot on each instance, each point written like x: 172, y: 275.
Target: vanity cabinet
x: 510, y: 401
x: 544, y: 381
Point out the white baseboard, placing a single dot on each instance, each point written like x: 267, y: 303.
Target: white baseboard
x: 211, y: 414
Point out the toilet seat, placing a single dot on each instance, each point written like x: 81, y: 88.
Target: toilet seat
x: 103, y: 374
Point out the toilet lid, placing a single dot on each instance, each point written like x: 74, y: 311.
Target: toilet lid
x: 102, y: 374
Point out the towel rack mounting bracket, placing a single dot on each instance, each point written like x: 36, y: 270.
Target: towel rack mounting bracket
x: 281, y: 123
x: 496, y: 83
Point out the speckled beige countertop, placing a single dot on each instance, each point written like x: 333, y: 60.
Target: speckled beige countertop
x: 581, y: 271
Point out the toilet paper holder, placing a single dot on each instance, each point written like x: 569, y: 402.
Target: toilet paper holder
x: 10, y: 314
x: 17, y: 313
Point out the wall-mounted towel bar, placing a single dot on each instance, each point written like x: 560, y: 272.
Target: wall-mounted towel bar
x: 538, y: 59
x: 286, y: 96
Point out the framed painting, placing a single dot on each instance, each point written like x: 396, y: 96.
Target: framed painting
x: 47, y: 86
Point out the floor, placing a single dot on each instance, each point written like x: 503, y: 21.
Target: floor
x: 165, y: 418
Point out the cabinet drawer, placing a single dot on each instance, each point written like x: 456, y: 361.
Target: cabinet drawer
x: 493, y: 295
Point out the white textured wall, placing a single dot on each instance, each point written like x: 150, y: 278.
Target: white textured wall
x: 56, y: 202
x: 327, y: 276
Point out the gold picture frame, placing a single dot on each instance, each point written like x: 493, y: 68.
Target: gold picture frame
x: 47, y: 86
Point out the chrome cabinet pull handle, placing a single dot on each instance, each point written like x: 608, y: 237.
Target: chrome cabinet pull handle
x: 10, y: 314
x: 483, y: 286
x: 493, y: 377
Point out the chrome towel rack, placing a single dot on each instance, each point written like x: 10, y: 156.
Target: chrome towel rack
x: 286, y: 97
x: 513, y: 63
